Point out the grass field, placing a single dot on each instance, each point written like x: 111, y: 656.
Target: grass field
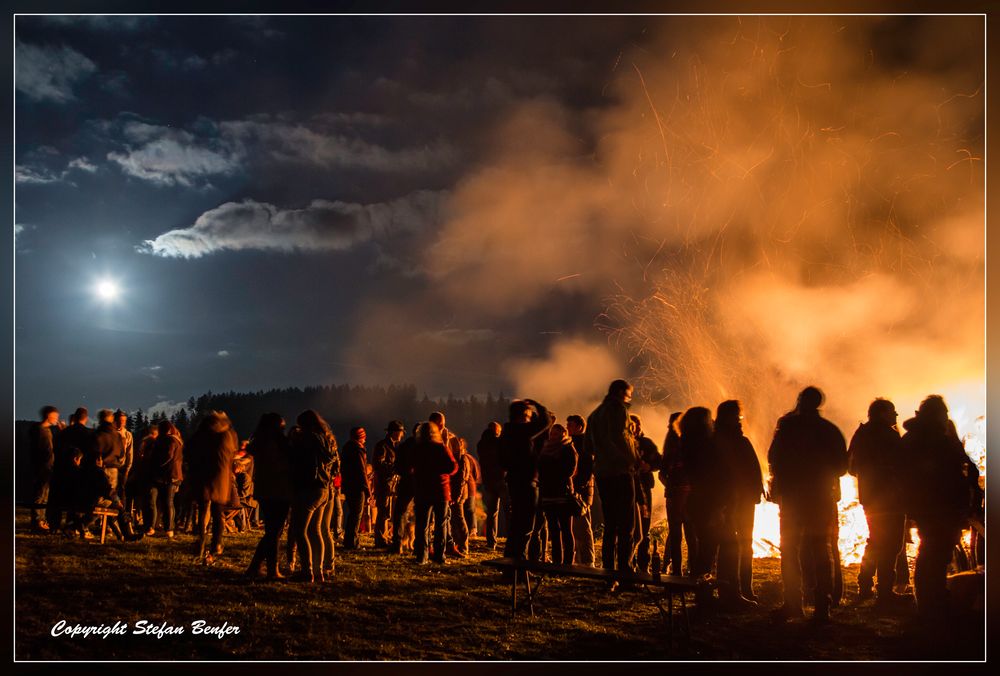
x: 383, y: 607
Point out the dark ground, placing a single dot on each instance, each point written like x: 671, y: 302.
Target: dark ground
x: 382, y: 607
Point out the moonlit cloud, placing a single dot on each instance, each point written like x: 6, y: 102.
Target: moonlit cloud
x: 50, y: 73
x: 322, y: 225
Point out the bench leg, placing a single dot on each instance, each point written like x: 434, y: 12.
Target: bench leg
x: 513, y: 596
x: 527, y: 586
x: 104, y: 527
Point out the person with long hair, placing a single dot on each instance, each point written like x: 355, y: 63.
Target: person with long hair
x: 273, y: 489
x: 165, y: 476
x: 433, y: 465
x: 677, y: 489
x: 210, y: 455
x: 313, y: 455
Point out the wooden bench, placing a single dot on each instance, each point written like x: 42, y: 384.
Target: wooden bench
x: 669, y: 584
x: 104, y: 514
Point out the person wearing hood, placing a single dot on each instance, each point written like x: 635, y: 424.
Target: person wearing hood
x: 271, y: 453
x: 616, y: 461
x: 165, y: 467
x: 808, y: 455
x: 746, y: 486
x: 210, y: 460
x: 875, y: 457
x: 433, y: 466
x: 385, y: 479
x: 313, y: 454
x: 935, y: 496
x: 519, y: 440
x: 557, y: 464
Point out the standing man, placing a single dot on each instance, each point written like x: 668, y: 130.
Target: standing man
x: 616, y: 460
x: 936, y: 497
x: 807, y: 456
x: 528, y: 426
x: 62, y: 488
x: 493, y: 475
x: 354, y: 484
x: 404, y: 488
x: 119, y: 421
x: 583, y: 485
x: 650, y: 461
x: 386, y: 479
x: 107, y: 448
x: 41, y: 456
x: 875, y: 458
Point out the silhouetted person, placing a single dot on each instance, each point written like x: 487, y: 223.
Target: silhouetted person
x: 556, y: 467
x: 746, y: 485
x: 313, y: 455
x: 519, y: 440
x: 433, y: 467
x: 210, y: 453
x: 165, y: 466
x: 385, y: 479
x: 677, y: 489
x: 354, y: 484
x: 807, y: 457
x: 875, y: 457
x: 41, y: 457
x: 272, y: 459
x: 404, y: 488
x: 458, y: 532
x: 492, y: 485
x: 472, y: 487
x: 650, y: 461
x: 61, y: 490
x: 616, y: 460
x: 583, y: 485
x: 935, y: 495
x: 108, y: 447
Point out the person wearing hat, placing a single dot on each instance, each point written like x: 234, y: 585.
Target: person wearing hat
x: 383, y: 464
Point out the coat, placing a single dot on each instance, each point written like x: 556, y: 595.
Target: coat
x: 488, y: 450
x: 556, y: 468
x: 743, y: 466
x: 433, y: 466
x: 210, y: 453
x: 709, y: 476
x: 609, y: 439
x: 519, y: 445
x: 314, y: 460
x: 459, y: 482
x: 384, y: 467
x: 354, y: 475
x: 933, y: 474
x: 876, y: 458
x: 273, y: 468
x: 167, y: 460
x: 107, y: 446
x: 584, y: 463
x: 41, y: 449
x: 807, y: 456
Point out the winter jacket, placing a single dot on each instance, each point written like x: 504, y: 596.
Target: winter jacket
x: 584, y: 477
x: 933, y: 474
x: 743, y: 466
x: 808, y: 455
x: 673, y: 473
x: 273, y: 467
x: 384, y: 466
x: 609, y: 439
x: 557, y: 464
x: 354, y: 475
x: 709, y: 477
x: 41, y: 450
x: 488, y: 450
x: 459, y: 482
x: 210, y: 453
x: 649, y: 454
x: 433, y: 466
x: 313, y: 460
x: 167, y: 459
x: 876, y: 458
x: 106, y: 444
x: 519, y: 445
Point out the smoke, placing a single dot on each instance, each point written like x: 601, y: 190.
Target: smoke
x: 756, y: 206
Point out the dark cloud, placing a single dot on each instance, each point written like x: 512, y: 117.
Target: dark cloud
x: 49, y: 73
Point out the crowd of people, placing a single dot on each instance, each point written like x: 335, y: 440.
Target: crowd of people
x: 418, y: 492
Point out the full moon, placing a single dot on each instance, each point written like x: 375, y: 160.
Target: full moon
x: 107, y: 290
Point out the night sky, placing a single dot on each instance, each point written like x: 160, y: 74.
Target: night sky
x: 253, y: 184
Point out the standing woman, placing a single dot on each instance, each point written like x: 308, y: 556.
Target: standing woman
x: 556, y: 468
x: 165, y: 472
x: 273, y: 489
x: 433, y: 466
x: 458, y: 534
x: 210, y: 455
x: 313, y: 455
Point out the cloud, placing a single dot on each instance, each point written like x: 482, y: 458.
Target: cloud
x: 50, y: 73
x: 103, y: 23
x: 152, y: 372
x: 83, y: 164
x: 321, y: 226
x: 166, y: 407
x: 35, y: 175
x: 222, y: 353
x: 168, y: 157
